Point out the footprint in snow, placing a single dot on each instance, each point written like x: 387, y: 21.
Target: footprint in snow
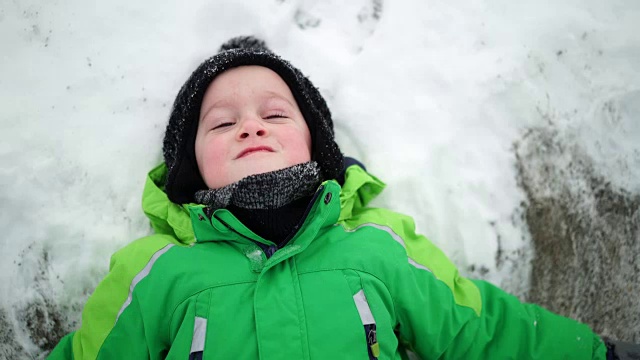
x: 354, y: 21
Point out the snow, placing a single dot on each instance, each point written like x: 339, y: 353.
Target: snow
x: 430, y: 95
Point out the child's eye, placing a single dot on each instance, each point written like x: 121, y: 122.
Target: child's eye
x: 222, y: 125
x: 276, y: 116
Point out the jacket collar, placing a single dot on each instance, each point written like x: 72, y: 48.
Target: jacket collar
x: 188, y: 222
x: 323, y: 210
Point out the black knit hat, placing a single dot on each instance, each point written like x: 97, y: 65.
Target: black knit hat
x: 183, y: 178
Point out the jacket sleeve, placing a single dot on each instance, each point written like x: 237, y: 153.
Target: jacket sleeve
x: 444, y: 315
x: 64, y: 349
x: 112, y: 323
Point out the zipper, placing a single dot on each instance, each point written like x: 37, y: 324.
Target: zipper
x: 269, y: 250
x: 303, y: 218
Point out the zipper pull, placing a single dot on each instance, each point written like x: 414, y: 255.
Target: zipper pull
x: 372, y: 341
x: 270, y: 251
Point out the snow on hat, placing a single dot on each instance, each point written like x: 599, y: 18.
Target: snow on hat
x: 183, y: 178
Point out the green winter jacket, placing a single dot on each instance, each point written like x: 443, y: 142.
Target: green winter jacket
x: 354, y: 283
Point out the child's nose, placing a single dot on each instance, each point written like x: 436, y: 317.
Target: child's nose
x: 251, y: 126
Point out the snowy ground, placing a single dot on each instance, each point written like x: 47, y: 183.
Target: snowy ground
x: 436, y: 97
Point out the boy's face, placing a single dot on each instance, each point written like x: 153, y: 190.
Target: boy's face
x: 249, y: 124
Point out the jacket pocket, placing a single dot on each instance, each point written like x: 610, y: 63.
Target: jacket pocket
x: 369, y: 324
x: 199, y: 335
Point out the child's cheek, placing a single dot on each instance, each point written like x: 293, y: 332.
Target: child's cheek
x: 214, y: 155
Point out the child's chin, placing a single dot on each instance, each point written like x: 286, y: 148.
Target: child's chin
x: 261, y: 167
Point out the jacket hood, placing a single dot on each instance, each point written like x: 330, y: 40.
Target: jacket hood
x: 169, y: 218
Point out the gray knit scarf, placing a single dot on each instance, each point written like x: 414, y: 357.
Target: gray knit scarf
x: 270, y: 190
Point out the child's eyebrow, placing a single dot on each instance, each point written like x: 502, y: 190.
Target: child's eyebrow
x: 221, y: 103
x: 272, y: 95
x: 218, y: 104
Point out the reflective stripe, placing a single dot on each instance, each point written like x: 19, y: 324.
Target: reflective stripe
x: 395, y: 237
x: 141, y: 275
x: 363, y: 308
x: 199, y: 333
x: 419, y: 266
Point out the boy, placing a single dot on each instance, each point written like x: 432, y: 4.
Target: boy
x: 265, y: 247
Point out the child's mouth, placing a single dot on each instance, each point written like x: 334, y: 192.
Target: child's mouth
x: 253, y: 150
